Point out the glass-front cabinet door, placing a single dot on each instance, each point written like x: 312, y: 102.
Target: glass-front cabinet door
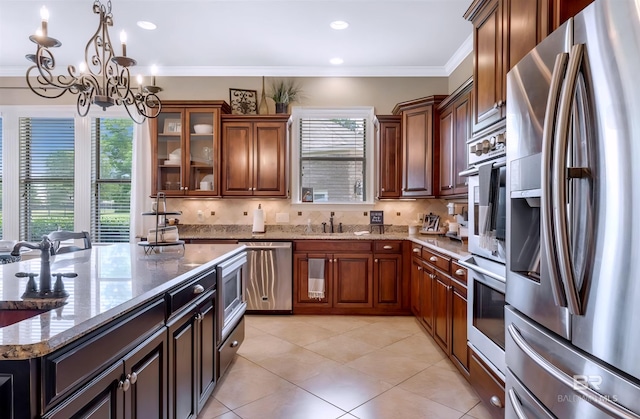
x: 168, y: 152
x: 185, y: 141
x: 202, y: 151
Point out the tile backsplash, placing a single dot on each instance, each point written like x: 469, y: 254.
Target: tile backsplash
x: 240, y: 211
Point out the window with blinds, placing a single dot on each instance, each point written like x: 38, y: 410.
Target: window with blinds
x: 333, y: 159
x: 46, y: 176
x: 111, y: 151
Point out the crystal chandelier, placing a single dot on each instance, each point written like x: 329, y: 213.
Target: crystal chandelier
x: 102, y: 79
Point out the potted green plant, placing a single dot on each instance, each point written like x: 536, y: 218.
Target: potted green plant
x: 284, y: 92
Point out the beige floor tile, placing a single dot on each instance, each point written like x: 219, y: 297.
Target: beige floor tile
x: 378, y: 334
x: 420, y: 347
x: 446, y: 364
x: 263, y: 322
x: 297, y: 365
x: 252, y: 332
x: 299, y: 333
x: 289, y: 404
x: 228, y: 415
x: 264, y: 346
x: 444, y: 386
x: 212, y: 409
x: 479, y: 412
x: 338, y: 324
x: 344, y: 387
x: 348, y: 416
x: 399, y: 403
x: 245, y: 382
x: 406, y: 323
x: 388, y: 366
x: 341, y: 348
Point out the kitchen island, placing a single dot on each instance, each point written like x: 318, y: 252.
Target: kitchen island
x: 118, y: 342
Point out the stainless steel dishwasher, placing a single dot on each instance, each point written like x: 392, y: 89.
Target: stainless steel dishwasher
x: 269, y: 282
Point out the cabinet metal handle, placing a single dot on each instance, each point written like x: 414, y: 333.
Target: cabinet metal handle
x: 495, y: 400
x: 234, y: 344
x: 375, y: 260
x: 460, y: 272
x: 124, y: 384
x: 330, y: 260
x: 416, y: 250
x: 433, y: 259
x: 382, y: 189
x: 419, y: 268
x: 133, y: 377
x: 198, y: 289
x: 387, y: 247
x: 186, y: 188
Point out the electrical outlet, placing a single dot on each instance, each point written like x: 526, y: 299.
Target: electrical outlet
x: 299, y: 213
x: 397, y: 214
x: 244, y: 213
x: 213, y: 213
x: 365, y: 213
x: 333, y: 213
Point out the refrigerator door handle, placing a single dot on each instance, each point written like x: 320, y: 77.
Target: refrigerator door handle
x: 559, y: 70
x: 560, y: 175
x: 585, y: 392
x: 516, y: 405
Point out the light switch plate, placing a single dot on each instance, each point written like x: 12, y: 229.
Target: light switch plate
x: 282, y: 217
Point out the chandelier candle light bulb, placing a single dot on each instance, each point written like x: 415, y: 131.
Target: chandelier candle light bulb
x: 123, y: 40
x: 44, y: 15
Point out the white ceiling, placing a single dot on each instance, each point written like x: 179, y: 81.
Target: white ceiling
x: 252, y: 37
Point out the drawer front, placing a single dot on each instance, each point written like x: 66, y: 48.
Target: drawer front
x: 387, y: 246
x: 333, y: 246
x: 459, y: 272
x: 436, y: 259
x: 185, y: 294
x: 230, y: 346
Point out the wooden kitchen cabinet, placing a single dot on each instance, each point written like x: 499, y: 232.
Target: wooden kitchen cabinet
x: 455, y: 130
x: 442, y: 310
x: 254, y: 156
x: 488, y: 385
x: 504, y: 32
x: 182, y: 158
x: 387, y: 274
x: 420, y: 131
x: 355, y: 283
x: 390, y: 159
x: 416, y: 279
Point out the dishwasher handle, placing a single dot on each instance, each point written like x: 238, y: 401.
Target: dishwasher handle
x: 254, y: 246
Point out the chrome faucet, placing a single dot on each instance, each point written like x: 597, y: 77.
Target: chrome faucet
x: 45, y: 272
x: 331, y: 223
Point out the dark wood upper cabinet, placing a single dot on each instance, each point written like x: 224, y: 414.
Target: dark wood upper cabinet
x: 455, y: 130
x: 420, y: 129
x: 390, y: 159
x: 254, y: 156
x: 504, y: 32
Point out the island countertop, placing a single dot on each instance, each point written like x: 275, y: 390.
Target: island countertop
x: 113, y: 279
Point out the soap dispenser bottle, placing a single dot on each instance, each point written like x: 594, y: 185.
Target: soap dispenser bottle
x: 308, y: 229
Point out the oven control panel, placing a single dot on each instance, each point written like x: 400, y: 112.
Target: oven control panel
x: 488, y: 147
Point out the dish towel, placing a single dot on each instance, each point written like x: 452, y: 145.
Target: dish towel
x: 316, y: 279
x: 485, y: 210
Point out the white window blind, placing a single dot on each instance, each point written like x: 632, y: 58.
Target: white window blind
x: 333, y: 159
x: 46, y: 176
x: 111, y: 151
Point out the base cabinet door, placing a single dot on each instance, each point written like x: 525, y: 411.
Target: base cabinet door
x: 311, y: 269
x: 441, y: 310
x: 102, y: 397
x: 387, y: 283
x: 182, y: 374
x: 353, y: 280
x: 426, y: 300
x: 206, y: 351
x: 459, y: 348
x: 416, y: 281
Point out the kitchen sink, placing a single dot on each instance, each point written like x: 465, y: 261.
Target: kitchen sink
x: 12, y: 316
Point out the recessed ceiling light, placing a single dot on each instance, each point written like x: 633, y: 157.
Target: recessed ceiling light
x: 336, y: 61
x: 339, y: 25
x: 146, y: 25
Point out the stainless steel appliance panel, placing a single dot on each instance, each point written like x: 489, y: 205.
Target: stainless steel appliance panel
x: 230, y: 290
x: 521, y: 404
x: 565, y: 380
x: 269, y: 287
x: 607, y: 326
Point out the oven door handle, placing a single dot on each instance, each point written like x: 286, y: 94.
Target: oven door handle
x: 473, y: 171
x: 476, y: 268
x: 587, y: 393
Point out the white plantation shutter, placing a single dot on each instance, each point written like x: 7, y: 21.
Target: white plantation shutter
x: 46, y: 176
x: 333, y: 158
x: 111, y: 148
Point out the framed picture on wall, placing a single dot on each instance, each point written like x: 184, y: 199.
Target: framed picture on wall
x: 307, y: 194
x: 243, y: 102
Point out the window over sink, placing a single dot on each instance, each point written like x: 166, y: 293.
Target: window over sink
x: 332, y: 155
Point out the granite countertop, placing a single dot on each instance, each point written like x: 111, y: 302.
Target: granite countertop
x: 112, y: 279
x: 443, y: 244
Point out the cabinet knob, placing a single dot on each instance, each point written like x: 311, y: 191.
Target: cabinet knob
x: 124, y: 384
x: 186, y: 188
x: 133, y: 377
x: 419, y: 268
x: 335, y: 260
x: 330, y: 260
x: 234, y: 344
x: 375, y: 260
x: 459, y: 272
x: 416, y: 250
x: 382, y: 189
x: 198, y: 289
x: 433, y: 259
x: 495, y: 400
x: 495, y: 105
x: 387, y: 247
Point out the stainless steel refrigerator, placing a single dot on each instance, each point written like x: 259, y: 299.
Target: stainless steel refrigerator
x: 573, y: 247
